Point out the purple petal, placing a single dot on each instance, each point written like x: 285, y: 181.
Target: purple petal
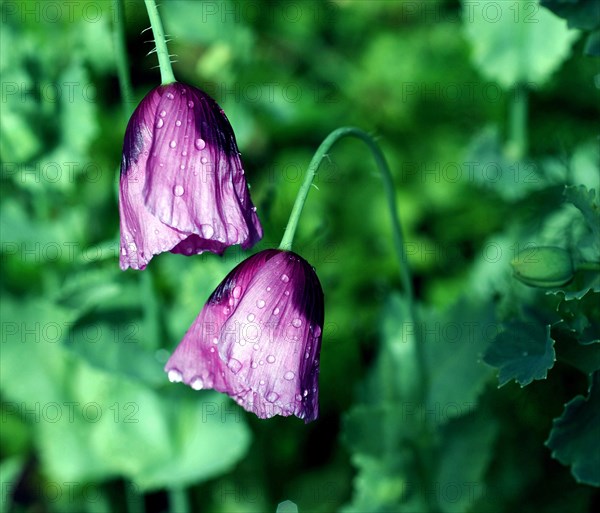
x: 258, y: 337
x: 182, y: 183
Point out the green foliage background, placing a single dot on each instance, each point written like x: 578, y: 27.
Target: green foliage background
x: 488, y: 115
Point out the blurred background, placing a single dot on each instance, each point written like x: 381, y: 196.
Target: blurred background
x: 487, y: 112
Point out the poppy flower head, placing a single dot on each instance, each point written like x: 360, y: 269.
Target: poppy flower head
x: 182, y: 186
x: 258, y: 338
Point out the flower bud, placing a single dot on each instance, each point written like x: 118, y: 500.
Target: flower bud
x: 544, y: 267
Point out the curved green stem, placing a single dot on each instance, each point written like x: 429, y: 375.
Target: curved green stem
x: 164, y: 61
x: 588, y: 266
x: 121, y: 57
x: 330, y: 140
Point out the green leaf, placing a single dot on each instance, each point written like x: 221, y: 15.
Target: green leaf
x: 454, y: 343
x: 585, y: 200
x: 516, y: 42
x: 461, y: 468
x: 522, y: 351
x: 574, y: 436
x: 582, y: 14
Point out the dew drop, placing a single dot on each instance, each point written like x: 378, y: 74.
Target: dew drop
x: 226, y: 310
x: 177, y: 123
x: 174, y: 376
x: 190, y: 104
x: 305, y: 393
x: 182, y: 167
x: 317, y: 331
x: 163, y: 113
x: 160, y: 123
x: 271, y: 358
x: 183, y: 153
x: 207, y: 231
x: 254, y: 365
x: 212, y: 349
x: 287, y: 292
x: 200, y: 144
x: 234, y: 365
x: 289, y: 375
x: 197, y: 384
x: 285, y: 278
x: 296, y: 323
x: 261, y: 362
x: 237, y: 292
x: 250, y: 317
x: 256, y: 347
x: 260, y: 303
x: 203, y: 160
x: 178, y: 190
x: 268, y: 289
x: 231, y: 301
x: 172, y: 144
x: 272, y: 397
x: 170, y: 96
x: 123, y: 251
x: 261, y: 382
x: 276, y: 311
x: 215, y: 340
x: 298, y: 397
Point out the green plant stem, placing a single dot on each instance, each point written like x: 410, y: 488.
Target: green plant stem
x: 178, y: 501
x: 588, y: 266
x: 164, y: 61
x: 518, y: 121
x: 330, y: 140
x: 121, y: 56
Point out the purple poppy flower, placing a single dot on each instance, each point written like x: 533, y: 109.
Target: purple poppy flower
x: 258, y: 338
x: 182, y: 183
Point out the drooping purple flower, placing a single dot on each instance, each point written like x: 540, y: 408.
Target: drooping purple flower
x: 182, y: 186
x: 258, y: 337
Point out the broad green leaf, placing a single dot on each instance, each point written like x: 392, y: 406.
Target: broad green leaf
x: 582, y: 14
x: 516, y: 42
x: 574, y: 436
x: 491, y: 168
x: 464, y: 454
x: 454, y: 343
x: 586, y: 201
x: 522, y: 351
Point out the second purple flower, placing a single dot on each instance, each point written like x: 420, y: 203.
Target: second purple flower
x: 182, y: 186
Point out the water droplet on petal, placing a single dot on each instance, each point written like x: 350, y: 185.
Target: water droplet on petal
x: 276, y: 311
x: 317, y: 331
x: 256, y: 347
x: 287, y: 292
x: 215, y: 340
x: 296, y: 323
x: 254, y: 365
x: 285, y: 278
x: 298, y: 397
x: 123, y: 251
x: 272, y: 397
x: 261, y: 382
x: 260, y: 303
x: 289, y: 375
x: 182, y: 167
x: 177, y: 123
x: 163, y: 113
x: 226, y: 310
x: 271, y: 358
x: 261, y: 362
x: 305, y: 393
x: 234, y: 365
x: 172, y: 144
x: 190, y: 104
x: 207, y: 231
x: 237, y: 292
x: 170, y: 96
x: 250, y: 317
x: 212, y: 349
x: 160, y: 123
x: 178, y: 190
x: 200, y: 144
x: 268, y: 289
x: 203, y: 160
x: 174, y: 376
x: 197, y: 384
x: 183, y: 153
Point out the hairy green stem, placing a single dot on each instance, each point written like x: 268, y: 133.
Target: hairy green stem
x: 330, y: 140
x: 164, y: 61
x: 121, y: 56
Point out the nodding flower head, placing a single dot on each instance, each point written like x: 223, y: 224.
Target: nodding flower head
x: 258, y: 337
x: 182, y: 186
